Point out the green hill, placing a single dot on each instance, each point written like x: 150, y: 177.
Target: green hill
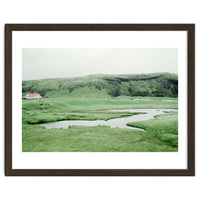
x: 105, y: 86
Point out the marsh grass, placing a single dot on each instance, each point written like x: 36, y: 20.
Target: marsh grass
x: 57, y: 109
x: 90, y: 139
x: 161, y: 133
x: 164, y: 127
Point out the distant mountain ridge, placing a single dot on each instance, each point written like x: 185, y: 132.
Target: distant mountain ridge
x: 103, y: 85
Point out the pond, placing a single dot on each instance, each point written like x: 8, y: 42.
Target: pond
x: 113, y: 123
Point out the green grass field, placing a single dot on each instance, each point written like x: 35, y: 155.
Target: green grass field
x: 161, y: 133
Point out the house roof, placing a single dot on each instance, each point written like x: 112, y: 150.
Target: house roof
x: 32, y: 95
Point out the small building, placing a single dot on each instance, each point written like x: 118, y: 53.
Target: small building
x: 141, y: 99
x: 32, y: 96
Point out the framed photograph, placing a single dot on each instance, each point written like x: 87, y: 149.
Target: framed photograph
x: 99, y: 99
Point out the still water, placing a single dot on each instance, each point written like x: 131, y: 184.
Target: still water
x: 113, y: 123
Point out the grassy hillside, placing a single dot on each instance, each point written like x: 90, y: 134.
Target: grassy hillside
x: 106, y: 86
x: 91, y: 98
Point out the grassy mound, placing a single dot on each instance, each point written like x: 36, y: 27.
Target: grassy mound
x: 165, y: 128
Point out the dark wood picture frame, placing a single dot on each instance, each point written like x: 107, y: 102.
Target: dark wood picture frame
x: 190, y: 171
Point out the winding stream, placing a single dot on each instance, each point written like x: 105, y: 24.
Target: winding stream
x: 113, y: 123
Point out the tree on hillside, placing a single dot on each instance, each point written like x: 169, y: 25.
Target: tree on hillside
x: 115, y: 92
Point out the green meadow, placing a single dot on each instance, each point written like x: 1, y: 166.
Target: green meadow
x: 161, y: 133
x: 93, y: 98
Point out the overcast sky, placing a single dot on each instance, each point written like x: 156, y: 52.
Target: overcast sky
x: 56, y: 63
